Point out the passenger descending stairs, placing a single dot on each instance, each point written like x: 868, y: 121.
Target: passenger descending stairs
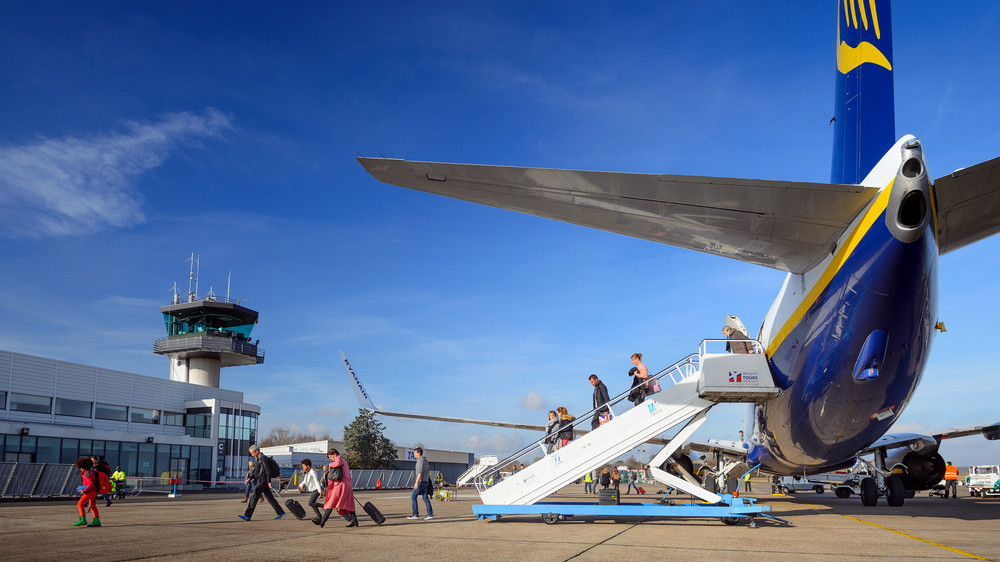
x: 700, y: 381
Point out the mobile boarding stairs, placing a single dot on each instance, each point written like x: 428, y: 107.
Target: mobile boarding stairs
x: 690, y: 388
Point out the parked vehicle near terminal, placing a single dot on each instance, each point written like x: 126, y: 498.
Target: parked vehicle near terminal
x: 984, y: 480
x: 792, y: 484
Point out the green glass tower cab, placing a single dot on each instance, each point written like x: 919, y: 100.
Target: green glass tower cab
x: 205, y: 334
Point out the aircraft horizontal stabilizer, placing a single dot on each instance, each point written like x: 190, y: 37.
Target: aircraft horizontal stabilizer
x: 790, y: 226
x: 968, y: 205
x: 930, y: 441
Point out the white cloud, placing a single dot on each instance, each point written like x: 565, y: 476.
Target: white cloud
x: 317, y: 429
x: 68, y: 186
x: 534, y: 401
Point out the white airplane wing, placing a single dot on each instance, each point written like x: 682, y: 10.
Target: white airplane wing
x: 918, y: 442
x: 790, y: 226
x: 968, y: 205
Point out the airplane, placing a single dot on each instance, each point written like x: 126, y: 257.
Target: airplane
x: 848, y: 335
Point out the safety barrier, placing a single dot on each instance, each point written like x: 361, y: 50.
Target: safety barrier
x: 46, y: 480
x: 38, y: 480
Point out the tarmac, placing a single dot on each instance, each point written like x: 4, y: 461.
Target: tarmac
x: 205, y: 526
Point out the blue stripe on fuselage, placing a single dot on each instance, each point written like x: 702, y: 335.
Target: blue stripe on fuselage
x: 824, y: 417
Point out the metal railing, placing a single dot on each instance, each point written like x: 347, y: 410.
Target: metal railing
x: 682, y: 370
x: 202, y: 341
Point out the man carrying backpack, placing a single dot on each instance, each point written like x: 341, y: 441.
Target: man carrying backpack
x: 263, y: 471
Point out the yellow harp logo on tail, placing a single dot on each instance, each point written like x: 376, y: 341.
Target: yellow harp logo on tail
x: 848, y: 57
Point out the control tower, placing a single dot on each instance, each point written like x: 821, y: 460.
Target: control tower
x: 205, y: 334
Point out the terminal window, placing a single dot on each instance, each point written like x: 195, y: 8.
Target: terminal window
x: 144, y: 415
x: 29, y: 403
x: 111, y: 412
x: 75, y: 408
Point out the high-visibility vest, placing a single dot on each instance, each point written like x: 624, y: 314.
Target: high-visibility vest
x: 951, y: 472
x: 587, y: 478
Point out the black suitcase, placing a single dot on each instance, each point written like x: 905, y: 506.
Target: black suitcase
x: 372, y: 512
x: 608, y: 497
x: 296, y: 508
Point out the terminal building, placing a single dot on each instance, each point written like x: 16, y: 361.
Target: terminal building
x: 183, y: 426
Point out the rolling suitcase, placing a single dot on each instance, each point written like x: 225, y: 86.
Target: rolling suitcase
x: 296, y: 508
x: 372, y: 512
x: 641, y: 489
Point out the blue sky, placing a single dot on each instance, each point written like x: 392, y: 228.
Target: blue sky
x: 135, y: 133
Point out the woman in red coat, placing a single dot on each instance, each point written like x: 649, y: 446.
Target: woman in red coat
x: 339, y: 494
x: 91, y: 486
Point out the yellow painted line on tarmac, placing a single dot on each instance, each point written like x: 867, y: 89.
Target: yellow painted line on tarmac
x: 962, y: 552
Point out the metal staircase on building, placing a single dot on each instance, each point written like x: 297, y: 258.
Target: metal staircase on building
x: 698, y: 382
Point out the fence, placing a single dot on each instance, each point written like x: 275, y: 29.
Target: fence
x: 38, y: 480
x: 46, y: 480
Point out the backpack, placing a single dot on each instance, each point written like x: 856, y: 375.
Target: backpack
x: 272, y: 470
x: 105, y: 483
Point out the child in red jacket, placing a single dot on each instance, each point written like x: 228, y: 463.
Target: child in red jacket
x: 91, y: 486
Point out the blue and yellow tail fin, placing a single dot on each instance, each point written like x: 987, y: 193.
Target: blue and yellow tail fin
x: 864, y: 110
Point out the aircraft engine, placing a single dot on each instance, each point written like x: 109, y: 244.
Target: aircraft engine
x: 921, y: 470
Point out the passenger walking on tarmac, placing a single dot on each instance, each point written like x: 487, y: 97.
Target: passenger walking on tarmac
x: 601, y: 400
x: 643, y: 373
x: 91, y: 485
x: 616, y: 479
x: 605, y: 478
x: 732, y: 330
x: 588, y: 484
x: 420, y: 487
x: 311, y: 485
x: 951, y: 480
x: 565, y: 427
x: 339, y: 490
x: 261, y: 477
x: 551, y: 431
x: 249, y: 482
x: 633, y: 478
x: 101, y: 466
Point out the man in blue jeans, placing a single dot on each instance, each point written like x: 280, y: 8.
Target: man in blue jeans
x: 422, y: 486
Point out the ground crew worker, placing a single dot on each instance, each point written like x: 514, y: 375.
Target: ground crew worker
x: 951, y: 480
x: 588, y: 484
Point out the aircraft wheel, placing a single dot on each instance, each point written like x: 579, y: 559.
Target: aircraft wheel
x: 819, y: 489
x: 842, y: 492
x: 869, y: 492
x: 909, y: 494
x: 731, y: 520
x: 894, y: 492
x: 550, y: 518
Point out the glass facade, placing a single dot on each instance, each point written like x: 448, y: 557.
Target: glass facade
x: 198, y: 422
x: 151, y: 460
x: 237, y: 431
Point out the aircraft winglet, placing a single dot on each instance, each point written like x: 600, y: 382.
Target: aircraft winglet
x: 359, y: 391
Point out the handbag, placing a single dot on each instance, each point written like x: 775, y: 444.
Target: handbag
x: 336, y: 474
x: 652, y: 387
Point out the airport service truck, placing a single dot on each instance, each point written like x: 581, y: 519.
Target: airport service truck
x: 984, y: 480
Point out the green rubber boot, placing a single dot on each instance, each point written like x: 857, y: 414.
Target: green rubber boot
x: 82, y: 521
x: 96, y: 522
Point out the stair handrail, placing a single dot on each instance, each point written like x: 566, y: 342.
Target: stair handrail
x: 679, y: 371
